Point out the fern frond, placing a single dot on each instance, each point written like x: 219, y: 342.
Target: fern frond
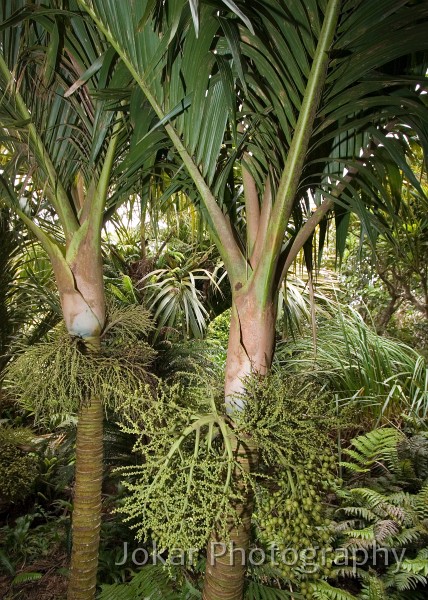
x: 374, y: 446
x: 259, y: 591
x: 362, y: 534
x: 353, y: 468
x: 6, y: 564
x: 418, y: 565
x: 321, y: 590
x: 379, y: 503
x: 404, y: 580
x: 373, y: 589
x: 406, y: 537
x: 420, y: 502
x: 352, y: 572
x: 359, y: 511
x: 26, y: 577
x: 400, y: 498
x: 117, y: 591
x: 345, y: 525
x: 385, y: 529
x: 152, y: 581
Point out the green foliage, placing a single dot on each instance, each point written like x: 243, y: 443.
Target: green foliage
x: 152, y: 581
x: 387, y: 281
x: 219, y: 328
x: 26, y: 577
x: 323, y: 591
x: 384, y: 507
x: 179, y: 360
x: 372, y: 447
x: 218, y: 331
x: 26, y: 306
x: 174, y: 292
x: 374, y: 372
x: 57, y: 376
x: 32, y: 537
x: 56, y: 457
x: 259, y: 591
x: 18, y: 467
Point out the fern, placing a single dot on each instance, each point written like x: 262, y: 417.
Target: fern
x: 26, y: 578
x: 366, y: 534
x: 385, y: 529
x: 373, y: 589
x: 404, y: 580
x: 416, y: 447
x: 259, y: 591
x: 324, y: 591
x: 6, y: 564
x: 407, y: 537
x: 379, y: 504
x: 387, y: 511
x: 418, y: 565
x: 153, y: 581
x: 373, y: 447
x: 117, y: 591
x: 421, y: 502
x: 345, y: 571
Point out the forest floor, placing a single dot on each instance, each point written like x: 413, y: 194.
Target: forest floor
x: 52, y: 584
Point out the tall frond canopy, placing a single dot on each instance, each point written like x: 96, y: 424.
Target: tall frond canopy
x: 235, y: 93
x: 63, y: 99
x: 374, y: 89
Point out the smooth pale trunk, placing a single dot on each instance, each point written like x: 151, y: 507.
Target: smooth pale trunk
x: 250, y: 350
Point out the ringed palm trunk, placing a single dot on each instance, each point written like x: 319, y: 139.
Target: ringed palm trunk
x: 251, y: 346
x: 83, y: 303
x: 86, y: 520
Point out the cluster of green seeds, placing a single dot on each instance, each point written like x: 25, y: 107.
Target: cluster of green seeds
x: 293, y: 519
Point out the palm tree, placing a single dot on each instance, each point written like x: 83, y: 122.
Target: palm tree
x: 69, y: 155
x: 311, y: 84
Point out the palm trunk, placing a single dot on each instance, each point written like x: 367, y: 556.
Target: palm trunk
x: 87, y: 502
x: 86, y: 521
x: 251, y: 345
x: 81, y: 287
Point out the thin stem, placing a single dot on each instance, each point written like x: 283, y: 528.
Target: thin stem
x: 252, y: 208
